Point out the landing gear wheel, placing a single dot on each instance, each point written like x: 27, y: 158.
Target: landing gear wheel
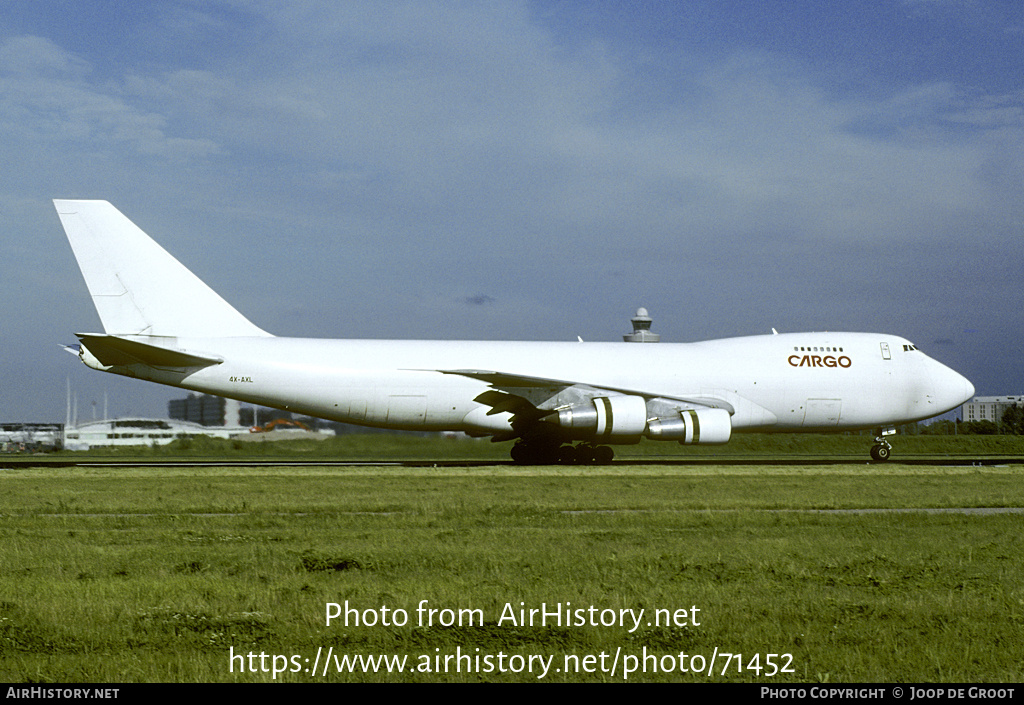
x: 534, y: 453
x: 882, y: 448
x: 582, y: 454
x: 585, y: 454
x: 542, y: 453
x: 603, y: 455
x: 567, y: 455
x: 520, y: 454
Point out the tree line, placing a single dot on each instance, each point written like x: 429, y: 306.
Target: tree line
x: 1011, y: 424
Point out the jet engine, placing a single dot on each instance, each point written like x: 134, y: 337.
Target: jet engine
x: 619, y: 418
x: 625, y: 418
x: 692, y: 426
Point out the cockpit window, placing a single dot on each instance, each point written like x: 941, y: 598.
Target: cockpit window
x: 909, y: 348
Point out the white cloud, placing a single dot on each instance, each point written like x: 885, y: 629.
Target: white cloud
x: 46, y: 97
x: 34, y: 56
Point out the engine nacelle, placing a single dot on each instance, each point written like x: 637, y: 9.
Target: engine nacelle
x: 619, y: 418
x: 692, y: 426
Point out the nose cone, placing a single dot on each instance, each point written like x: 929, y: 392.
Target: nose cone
x: 968, y: 390
x: 951, y: 389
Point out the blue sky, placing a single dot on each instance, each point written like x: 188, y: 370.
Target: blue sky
x: 523, y: 170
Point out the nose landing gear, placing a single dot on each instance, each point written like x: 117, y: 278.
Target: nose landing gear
x: 880, y: 451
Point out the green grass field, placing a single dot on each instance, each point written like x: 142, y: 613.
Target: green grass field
x: 384, y: 447
x: 155, y: 574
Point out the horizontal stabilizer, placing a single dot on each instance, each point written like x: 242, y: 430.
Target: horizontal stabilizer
x: 112, y: 350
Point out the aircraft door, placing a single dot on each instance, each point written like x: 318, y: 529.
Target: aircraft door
x: 407, y: 409
x: 822, y: 413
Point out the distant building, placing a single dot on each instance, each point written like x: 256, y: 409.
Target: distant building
x: 210, y: 410
x: 15, y: 437
x: 205, y: 410
x: 134, y: 432
x: 213, y: 411
x: 989, y: 408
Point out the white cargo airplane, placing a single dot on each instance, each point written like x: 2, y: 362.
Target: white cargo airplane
x: 164, y: 325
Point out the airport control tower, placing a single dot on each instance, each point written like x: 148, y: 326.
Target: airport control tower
x: 641, y: 329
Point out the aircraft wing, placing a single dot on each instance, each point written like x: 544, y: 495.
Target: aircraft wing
x: 544, y: 395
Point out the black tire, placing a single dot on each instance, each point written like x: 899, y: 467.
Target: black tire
x: 534, y: 454
x: 880, y: 453
x: 567, y: 455
x: 519, y: 454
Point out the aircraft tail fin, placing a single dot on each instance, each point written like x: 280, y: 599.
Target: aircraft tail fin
x: 138, y: 288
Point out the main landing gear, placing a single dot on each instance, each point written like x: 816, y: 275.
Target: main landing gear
x: 534, y: 453
x: 880, y: 451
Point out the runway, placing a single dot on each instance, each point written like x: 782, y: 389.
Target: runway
x: 22, y: 461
